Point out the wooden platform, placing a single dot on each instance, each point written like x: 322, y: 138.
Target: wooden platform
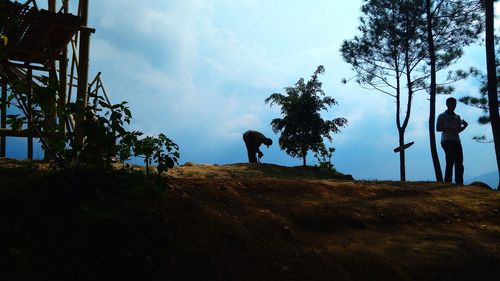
x: 38, y: 40
x: 11, y: 133
x: 35, y: 35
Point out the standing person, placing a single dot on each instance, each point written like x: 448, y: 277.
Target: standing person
x: 450, y: 124
x: 253, y: 140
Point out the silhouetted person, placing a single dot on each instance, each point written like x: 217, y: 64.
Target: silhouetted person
x: 253, y: 140
x: 451, y: 125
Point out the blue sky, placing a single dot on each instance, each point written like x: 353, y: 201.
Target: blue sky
x: 199, y: 71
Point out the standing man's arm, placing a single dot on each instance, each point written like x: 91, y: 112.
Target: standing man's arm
x: 260, y: 154
x: 464, y: 125
x: 258, y: 143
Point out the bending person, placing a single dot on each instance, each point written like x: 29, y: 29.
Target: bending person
x: 253, y: 140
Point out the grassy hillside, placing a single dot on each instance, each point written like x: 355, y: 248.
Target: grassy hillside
x: 241, y: 222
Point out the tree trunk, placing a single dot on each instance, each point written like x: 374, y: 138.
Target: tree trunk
x: 3, y: 116
x: 492, y: 83
x: 402, y: 168
x: 304, y: 160
x: 401, y: 132
x: 402, y: 173
x: 402, y: 128
x: 432, y: 108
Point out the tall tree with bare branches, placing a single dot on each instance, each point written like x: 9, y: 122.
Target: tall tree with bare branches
x: 451, y: 25
x: 492, y: 78
x: 387, y: 54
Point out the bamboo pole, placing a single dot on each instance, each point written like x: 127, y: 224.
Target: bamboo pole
x: 74, y: 64
x: 52, y: 114
x: 63, y: 73
x: 52, y: 5
x: 83, y: 68
x: 3, y: 118
x: 29, y: 110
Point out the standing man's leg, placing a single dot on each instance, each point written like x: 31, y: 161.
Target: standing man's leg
x: 459, y: 163
x: 449, y: 160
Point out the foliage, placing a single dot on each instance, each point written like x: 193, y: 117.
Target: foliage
x: 481, y: 101
x: 160, y: 150
x: 104, y: 131
x: 451, y: 25
x: 302, y: 128
x: 393, y: 39
x: 388, y: 30
x: 126, y: 145
x: 387, y: 53
x: 104, y: 127
x: 324, y: 156
x: 455, y: 24
x: 42, y: 118
x: 390, y: 54
x: 492, y: 77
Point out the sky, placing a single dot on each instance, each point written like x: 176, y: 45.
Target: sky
x: 200, y: 70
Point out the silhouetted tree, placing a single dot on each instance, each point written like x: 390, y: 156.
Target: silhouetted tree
x: 302, y: 128
x: 492, y: 78
x: 432, y: 92
x: 451, y: 25
x: 387, y: 54
x: 489, y: 97
x: 403, y: 44
x: 481, y: 102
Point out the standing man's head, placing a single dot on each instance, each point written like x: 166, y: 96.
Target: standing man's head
x: 451, y: 103
x: 267, y: 141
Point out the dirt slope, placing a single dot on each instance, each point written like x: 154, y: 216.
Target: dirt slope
x: 242, y: 222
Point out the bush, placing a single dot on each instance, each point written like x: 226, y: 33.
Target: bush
x: 103, y: 127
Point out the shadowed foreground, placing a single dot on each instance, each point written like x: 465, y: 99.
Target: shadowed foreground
x: 242, y: 222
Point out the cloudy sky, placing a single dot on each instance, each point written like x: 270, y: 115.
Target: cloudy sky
x: 199, y: 71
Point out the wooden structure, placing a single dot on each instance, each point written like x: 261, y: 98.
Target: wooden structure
x: 42, y: 42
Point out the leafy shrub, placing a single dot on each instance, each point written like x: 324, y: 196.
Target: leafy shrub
x: 324, y: 157
x: 103, y: 126
x: 160, y: 150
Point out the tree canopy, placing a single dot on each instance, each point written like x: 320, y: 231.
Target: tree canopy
x: 481, y: 101
x: 386, y: 55
x: 302, y: 128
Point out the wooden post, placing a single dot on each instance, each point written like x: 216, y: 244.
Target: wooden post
x: 52, y: 5
x: 3, y: 118
x: 83, y: 69
x: 52, y: 111
x: 29, y: 91
x: 63, y: 73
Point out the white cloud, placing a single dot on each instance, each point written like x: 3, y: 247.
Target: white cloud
x: 234, y: 128
x: 203, y: 68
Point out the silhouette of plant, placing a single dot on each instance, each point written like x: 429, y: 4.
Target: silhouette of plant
x: 387, y: 54
x: 103, y: 125
x: 324, y: 156
x: 450, y: 25
x: 302, y: 128
x: 481, y: 102
x: 160, y: 150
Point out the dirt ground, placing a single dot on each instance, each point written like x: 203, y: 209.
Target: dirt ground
x: 241, y: 222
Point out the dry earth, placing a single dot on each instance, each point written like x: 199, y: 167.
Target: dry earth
x: 241, y: 222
